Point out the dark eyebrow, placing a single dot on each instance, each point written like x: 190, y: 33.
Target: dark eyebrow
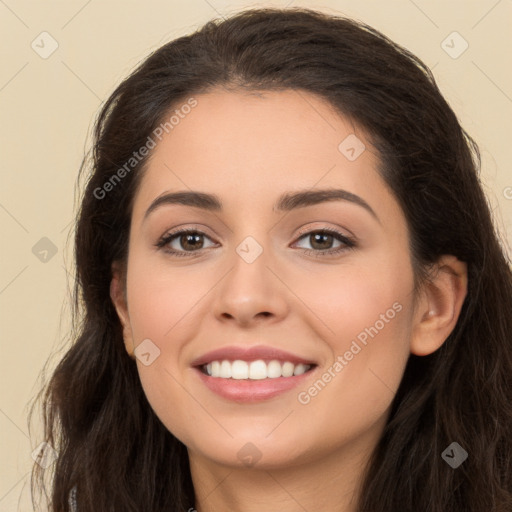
x: 287, y: 202
x: 300, y: 199
x: 208, y: 202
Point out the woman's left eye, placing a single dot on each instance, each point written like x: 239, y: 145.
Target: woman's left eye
x: 191, y: 241
x: 323, y: 237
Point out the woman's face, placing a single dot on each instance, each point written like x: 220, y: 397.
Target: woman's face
x: 256, y: 271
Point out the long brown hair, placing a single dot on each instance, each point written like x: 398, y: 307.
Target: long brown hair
x: 116, y: 453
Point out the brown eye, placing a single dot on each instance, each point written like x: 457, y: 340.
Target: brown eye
x: 322, y: 241
x: 182, y: 242
x: 191, y: 241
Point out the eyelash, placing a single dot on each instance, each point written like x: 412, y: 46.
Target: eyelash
x: 349, y: 243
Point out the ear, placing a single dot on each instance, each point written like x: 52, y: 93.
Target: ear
x: 118, y: 296
x: 439, y: 307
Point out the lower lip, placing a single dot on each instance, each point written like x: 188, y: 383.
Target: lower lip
x: 246, y: 390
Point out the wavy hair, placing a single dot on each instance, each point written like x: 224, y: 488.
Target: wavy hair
x: 113, y: 450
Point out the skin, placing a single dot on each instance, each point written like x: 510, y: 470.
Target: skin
x: 248, y: 149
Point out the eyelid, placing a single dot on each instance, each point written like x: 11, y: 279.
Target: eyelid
x: 323, y: 227
x: 179, y: 230
x: 199, y: 228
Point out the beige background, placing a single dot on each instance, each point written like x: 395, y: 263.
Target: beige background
x: 47, y: 107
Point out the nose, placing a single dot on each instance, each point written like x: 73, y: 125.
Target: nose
x: 251, y: 293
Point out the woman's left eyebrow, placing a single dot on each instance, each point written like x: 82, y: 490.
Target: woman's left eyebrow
x: 286, y: 202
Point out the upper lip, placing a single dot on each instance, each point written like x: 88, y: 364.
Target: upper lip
x: 248, y: 354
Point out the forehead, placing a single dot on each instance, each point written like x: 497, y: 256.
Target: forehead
x: 253, y: 146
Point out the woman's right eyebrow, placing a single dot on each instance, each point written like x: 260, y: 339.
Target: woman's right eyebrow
x: 286, y: 202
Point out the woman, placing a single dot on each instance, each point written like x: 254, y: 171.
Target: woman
x: 293, y: 293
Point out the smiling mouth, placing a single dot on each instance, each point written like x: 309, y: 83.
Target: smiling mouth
x: 254, y: 370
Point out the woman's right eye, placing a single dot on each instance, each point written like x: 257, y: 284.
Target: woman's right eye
x: 188, y: 239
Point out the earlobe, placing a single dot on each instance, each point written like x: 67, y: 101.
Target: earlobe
x: 440, y: 306
x: 118, y: 297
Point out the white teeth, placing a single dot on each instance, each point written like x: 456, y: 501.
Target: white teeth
x: 225, y: 369
x: 300, y: 369
x: 239, y: 370
x: 273, y: 369
x: 288, y: 368
x: 255, y: 370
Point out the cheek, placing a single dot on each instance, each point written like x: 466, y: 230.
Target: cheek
x: 162, y: 300
x: 356, y: 389
x: 170, y: 401
x: 364, y: 313
x: 363, y: 299
x: 163, y: 307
